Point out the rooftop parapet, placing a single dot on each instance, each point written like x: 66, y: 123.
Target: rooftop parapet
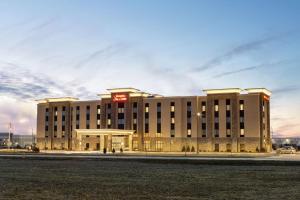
x: 258, y: 90
x: 61, y: 99
x: 223, y: 91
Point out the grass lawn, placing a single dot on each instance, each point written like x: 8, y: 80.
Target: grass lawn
x: 116, y: 179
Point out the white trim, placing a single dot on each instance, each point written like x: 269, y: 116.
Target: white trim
x: 61, y: 99
x: 223, y: 91
x: 258, y: 90
x: 103, y: 132
x: 117, y: 90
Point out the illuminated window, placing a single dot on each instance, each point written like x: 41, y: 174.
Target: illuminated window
x: 135, y: 145
x: 158, y: 145
x: 242, y: 132
x: 146, y: 109
x: 173, y: 120
x: 242, y: 147
x: 172, y: 108
x: 189, y: 132
x: 108, y: 121
x: 228, y: 132
x: 147, y: 145
x: 98, y: 122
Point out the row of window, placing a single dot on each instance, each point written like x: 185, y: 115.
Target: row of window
x: 121, y: 118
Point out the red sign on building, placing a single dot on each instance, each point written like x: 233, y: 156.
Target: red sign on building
x: 119, y: 97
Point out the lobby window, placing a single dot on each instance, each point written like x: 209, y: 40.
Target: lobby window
x: 216, y: 117
x: 189, y: 118
x: 87, y: 117
x: 158, y: 145
x: 217, y: 148
x: 134, y: 116
x: 228, y: 118
x: 228, y: 147
x: 158, y: 118
x: 203, y: 118
x: 146, y: 118
x: 242, y: 119
x: 242, y: 148
x: 121, y: 116
x: 98, y: 116
x: 147, y: 145
x: 87, y: 146
x: 172, y: 117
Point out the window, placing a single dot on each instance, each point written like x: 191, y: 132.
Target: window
x: 135, y: 145
x: 228, y: 147
x: 216, y: 147
x: 147, y: 145
x: 242, y: 134
x: 158, y: 145
x: 189, y: 133
x: 228, y: 133
x: 242, y: 148
x: 98, y: 146
x: 146, y: 118
x: 87, y: 146
x: 158, y: 117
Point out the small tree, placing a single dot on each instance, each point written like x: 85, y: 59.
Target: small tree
x: 183, y: 149
x: 104, y: 150
x: 113, y: 150
x: 188, y: 149
x: 121, y: 150
x: 193, y: 149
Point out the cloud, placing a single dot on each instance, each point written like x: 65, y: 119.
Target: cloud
x: 104, y: 53
x: 238, y: 50
x: 286, y: 89
x: 237, y: 71
x: 33, y: 33
x: 23, y: 84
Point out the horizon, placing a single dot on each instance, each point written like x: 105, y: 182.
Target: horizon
x: 59, y: 48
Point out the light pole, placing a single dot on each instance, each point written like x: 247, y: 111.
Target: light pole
x: 198, y: 127
x: 9, y: 132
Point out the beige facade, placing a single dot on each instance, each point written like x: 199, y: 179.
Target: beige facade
x: 225, y: 120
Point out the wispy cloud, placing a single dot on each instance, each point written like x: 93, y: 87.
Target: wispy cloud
x: 251, y: 68
x: 33, y: 32
x: 286, y: 89
x: 21, y: 83
x: 104, y: 53
x: 238, y: 50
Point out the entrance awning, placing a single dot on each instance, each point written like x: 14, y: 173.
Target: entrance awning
x: 112, y: 132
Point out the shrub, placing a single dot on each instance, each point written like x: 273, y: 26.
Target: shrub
x: 183, y: 149
x: 113, y: 150
x: 121, y: 150
x: 104, y: 150
x: 188, y: 149
x: 193, y: 149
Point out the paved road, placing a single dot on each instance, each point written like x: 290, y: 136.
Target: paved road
x: 212, y: 157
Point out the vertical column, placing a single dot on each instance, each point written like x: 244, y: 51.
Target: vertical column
x: 130, y: 142
x: 102, y: 142
x: 109, y: 146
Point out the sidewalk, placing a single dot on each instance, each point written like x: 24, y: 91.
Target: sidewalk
x: 162, y: 154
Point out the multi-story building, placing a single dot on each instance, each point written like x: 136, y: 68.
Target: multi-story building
x: 225, y: 120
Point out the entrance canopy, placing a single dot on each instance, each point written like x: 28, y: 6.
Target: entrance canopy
x: 112, y: 132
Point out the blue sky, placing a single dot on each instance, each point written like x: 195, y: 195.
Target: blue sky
x: 80, y: 48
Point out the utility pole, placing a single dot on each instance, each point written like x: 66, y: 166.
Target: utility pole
x: 9, y: 132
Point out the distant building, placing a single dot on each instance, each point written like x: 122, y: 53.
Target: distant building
x: 23, y: 140
x: 224, y: 120
x: 4, y: 139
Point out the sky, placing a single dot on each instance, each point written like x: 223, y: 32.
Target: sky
x: 56, y: 48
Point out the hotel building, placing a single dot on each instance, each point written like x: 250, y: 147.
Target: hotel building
x: 224, y: 120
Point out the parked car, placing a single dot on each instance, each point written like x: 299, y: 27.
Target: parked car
x: 287, y: 150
